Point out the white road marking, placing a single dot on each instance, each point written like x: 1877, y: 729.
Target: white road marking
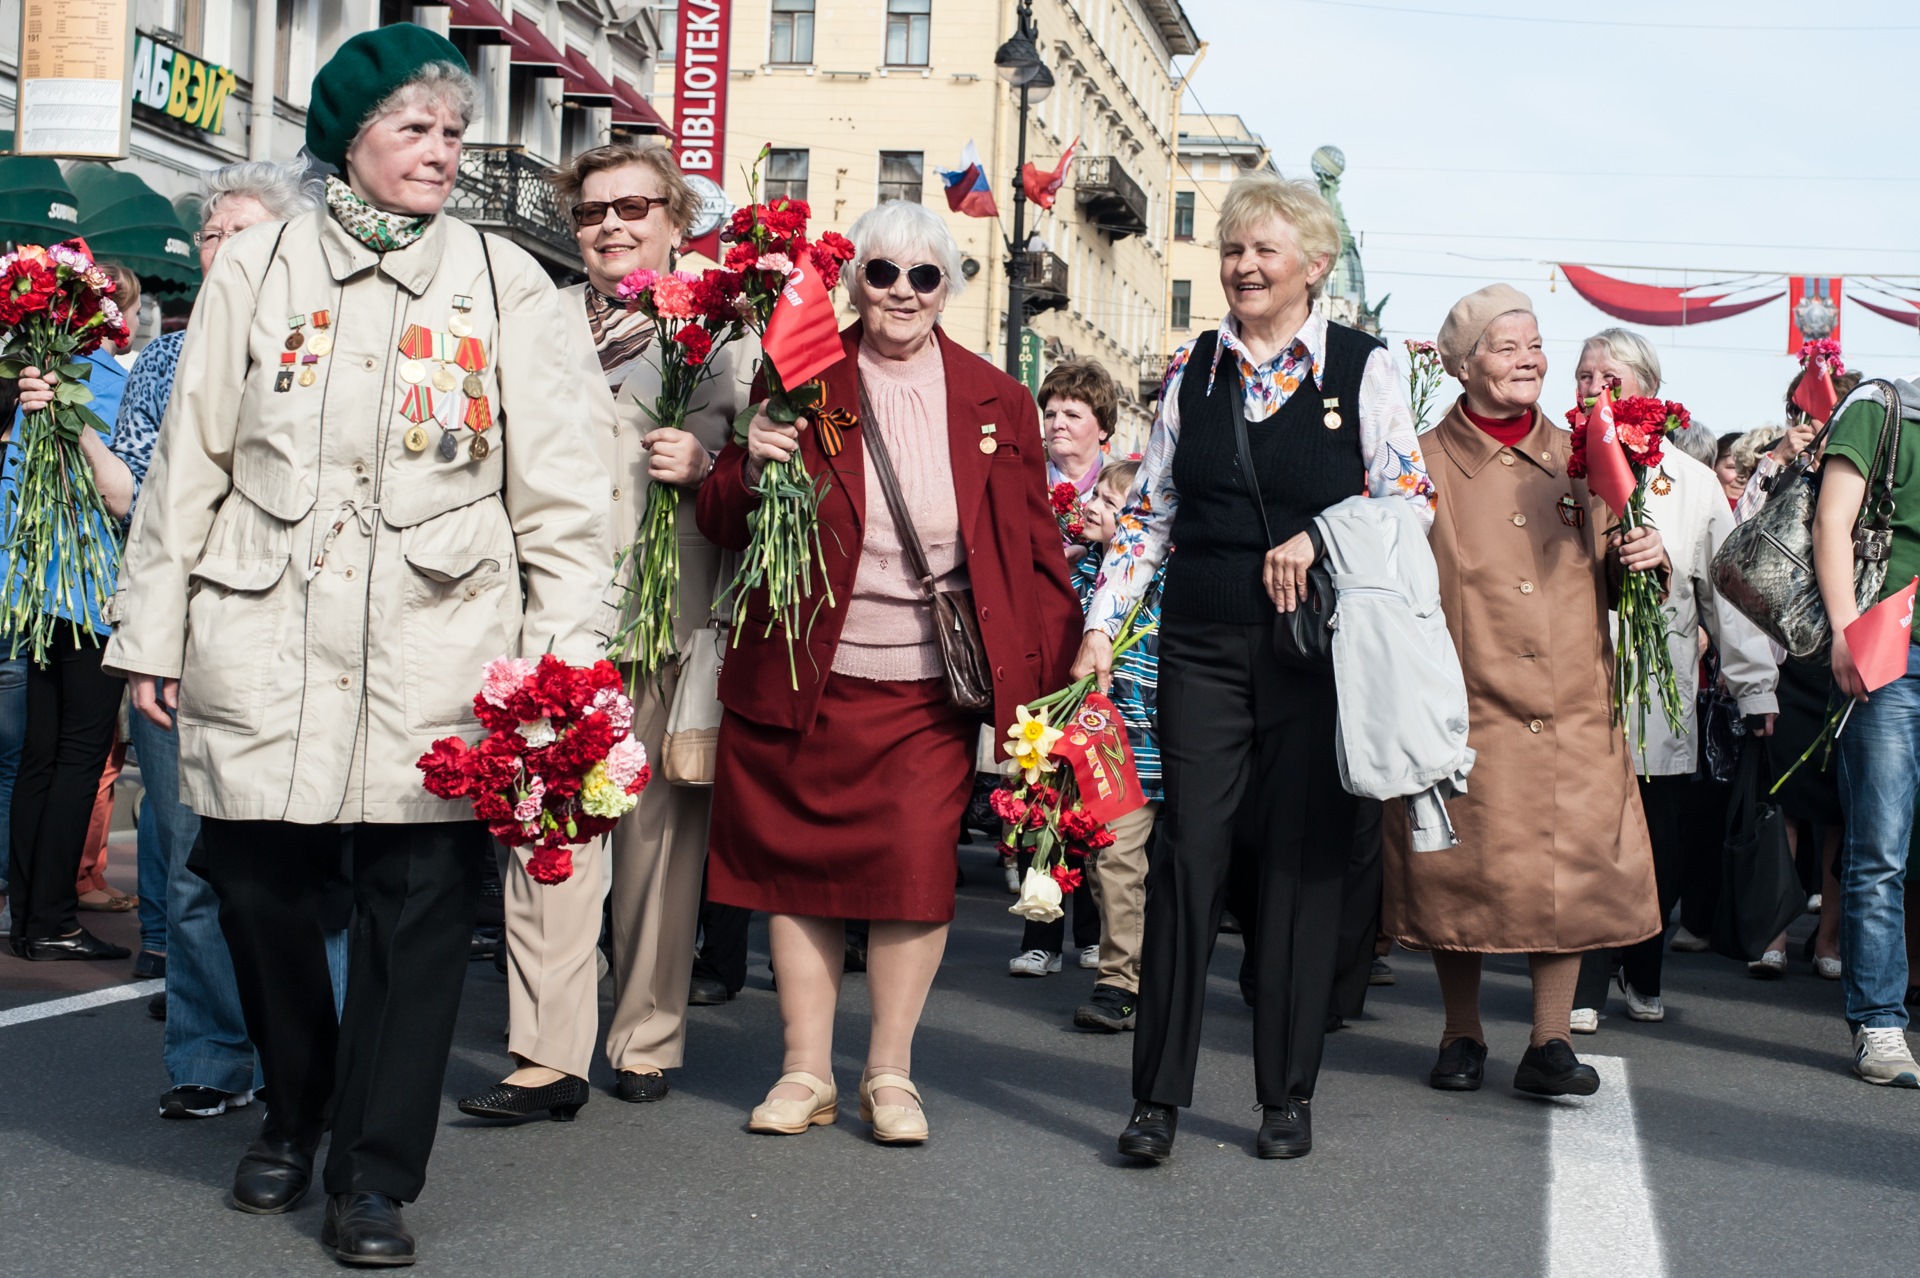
x: 1600, y: 1221
x: 80, y: 1002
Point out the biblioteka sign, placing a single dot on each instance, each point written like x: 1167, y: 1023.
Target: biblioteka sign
x: 700, y: 113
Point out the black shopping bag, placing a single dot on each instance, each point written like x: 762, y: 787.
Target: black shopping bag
x: 1760, y: 891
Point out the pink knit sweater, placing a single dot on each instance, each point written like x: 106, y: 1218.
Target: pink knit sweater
x: 889, y: 629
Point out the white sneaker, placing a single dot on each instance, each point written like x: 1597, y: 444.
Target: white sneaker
x: 1584, y: 1020
x: 1034, y: 963
x: 1639, y: 1006
x: 1828, y: 969
x: 1881, y: 1057
x: 1012, y: 872
x: 1770, y: 966
x: 1090, y: 957
x: 1685, y: 942
x: 1813, y: 903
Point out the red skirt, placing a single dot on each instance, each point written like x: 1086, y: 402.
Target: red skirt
x: 858, y: 819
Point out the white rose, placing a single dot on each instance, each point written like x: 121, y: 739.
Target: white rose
x: 537, y: 733
x: 1039, y: 898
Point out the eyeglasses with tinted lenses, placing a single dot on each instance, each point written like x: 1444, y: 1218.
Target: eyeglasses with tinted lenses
x: 631, y: 208
x: 924, y: 278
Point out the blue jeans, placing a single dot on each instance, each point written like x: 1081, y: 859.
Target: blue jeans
x: 206, y: 1038
x: 1879, y: 773
x: 13, y: 731
x: 153, y: 842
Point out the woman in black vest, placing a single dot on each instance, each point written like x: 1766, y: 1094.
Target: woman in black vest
x: 1242, y: 735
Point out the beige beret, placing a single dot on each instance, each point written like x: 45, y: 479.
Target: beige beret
x: 1469, y: 319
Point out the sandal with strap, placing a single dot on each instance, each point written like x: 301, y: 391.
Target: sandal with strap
x: 791, y: 1117
x: 893, y: 1124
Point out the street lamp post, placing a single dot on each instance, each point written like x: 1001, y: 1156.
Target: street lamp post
x: 1020, y: 65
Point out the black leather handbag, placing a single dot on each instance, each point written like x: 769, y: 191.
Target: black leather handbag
x: 1303, y: 638
x: 1760, y: 889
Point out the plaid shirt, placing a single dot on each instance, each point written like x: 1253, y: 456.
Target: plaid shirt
x: 1136, y: 672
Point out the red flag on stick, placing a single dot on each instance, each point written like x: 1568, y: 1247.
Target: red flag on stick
x: 1042, y: 185
x: 1880, y: 639
x: 1815, y: 395
x: 802, y: 336
x: 1608, y: 473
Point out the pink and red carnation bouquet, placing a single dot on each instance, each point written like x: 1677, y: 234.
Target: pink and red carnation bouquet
x: 1069, y: 510
x: 62, y: 549
x: 559, y: 764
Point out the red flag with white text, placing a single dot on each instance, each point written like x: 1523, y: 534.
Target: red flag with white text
x: 1880, y: 639
x: 803, y: 334
x: 1608, y: 473
x: 1042, y: 186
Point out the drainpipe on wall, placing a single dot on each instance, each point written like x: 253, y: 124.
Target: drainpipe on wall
x: 266, y: 29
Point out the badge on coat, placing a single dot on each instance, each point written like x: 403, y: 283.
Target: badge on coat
x: 1572, y: 513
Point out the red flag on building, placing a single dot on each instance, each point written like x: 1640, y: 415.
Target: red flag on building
x: 1041, y: 186
x: 803, y: 336
x: 1813, y: 310
x: 1881, y: 638
x: 1608, y: 473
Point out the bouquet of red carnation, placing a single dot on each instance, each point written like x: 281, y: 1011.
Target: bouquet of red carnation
x: 56, y: 308
x: 767, y: 249
x: 1064, y: 784
x: 694, y: 317
x: 1617, y: 448
x: 1069, y: 510
x: 559, y: 764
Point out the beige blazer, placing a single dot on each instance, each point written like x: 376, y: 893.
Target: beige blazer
x: 326, y: 596
x: 623, y: 417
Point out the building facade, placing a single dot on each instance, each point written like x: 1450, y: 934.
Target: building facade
x: 868, y: 100
x: 1214, y: 150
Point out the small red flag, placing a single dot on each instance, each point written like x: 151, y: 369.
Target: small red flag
x: 1608, y: 473
x: 802, y: 336
x: 1815, y: 395
x: 1095, y: 744
x: 1880, y: 639
x: 1042, y: 185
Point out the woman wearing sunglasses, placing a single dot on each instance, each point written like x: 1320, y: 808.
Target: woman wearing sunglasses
x: 631, y: 207
x: 804, y: 832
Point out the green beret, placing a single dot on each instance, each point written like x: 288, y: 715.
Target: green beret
x: 359, y: 77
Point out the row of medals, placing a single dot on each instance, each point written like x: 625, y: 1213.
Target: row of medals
x: 418, y: 405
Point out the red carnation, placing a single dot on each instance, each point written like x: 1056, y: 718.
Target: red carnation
x: 1068, y: 880
x: 550, y: 865
x: 1007, y: 806
x: 697, y: 340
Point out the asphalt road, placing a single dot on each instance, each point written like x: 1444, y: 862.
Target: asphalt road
x: 1740, y: 1144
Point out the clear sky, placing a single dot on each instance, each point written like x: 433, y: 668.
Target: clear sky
x: 1481, y: 147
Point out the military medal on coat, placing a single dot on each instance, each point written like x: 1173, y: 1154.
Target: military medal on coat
x: 301, y: 356
x: 446, y: 363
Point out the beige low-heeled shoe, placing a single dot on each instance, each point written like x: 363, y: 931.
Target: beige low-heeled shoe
x: 791, y: 1117
x: 893, y: 1124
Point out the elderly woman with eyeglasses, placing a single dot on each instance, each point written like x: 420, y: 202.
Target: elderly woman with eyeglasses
x: 807, y: 829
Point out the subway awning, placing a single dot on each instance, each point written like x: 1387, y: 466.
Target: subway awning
x: 36, y: 204
x: 124, y: 220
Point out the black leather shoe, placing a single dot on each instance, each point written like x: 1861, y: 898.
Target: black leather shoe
x: 1286, y: 1131
x: 635, y: 1086
x: 81, y: 945
x: 147, y: 965
x: 157, y: 1006
x: 705, y: 991
x: 1554, y: 1070
x: 365, y: 1228
x: 561, y: 1100
x: 1149, y: 1133
x: 1462, y: 1064
x: 272, y: 1177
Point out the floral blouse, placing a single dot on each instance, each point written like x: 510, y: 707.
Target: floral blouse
x: 1395, y: 465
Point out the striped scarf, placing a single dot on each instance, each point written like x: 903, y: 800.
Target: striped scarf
x: 620, y: 336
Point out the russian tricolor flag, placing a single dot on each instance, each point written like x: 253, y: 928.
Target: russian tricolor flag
x: 967, y: 189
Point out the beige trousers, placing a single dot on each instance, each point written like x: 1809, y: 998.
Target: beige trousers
x: 655, y: 857
x: 1120, y: 892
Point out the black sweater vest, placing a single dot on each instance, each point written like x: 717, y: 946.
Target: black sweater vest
x: 1303, y: 466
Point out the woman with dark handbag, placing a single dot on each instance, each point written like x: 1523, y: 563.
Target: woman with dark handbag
x: 1262, y: 425
x: 935, y: 507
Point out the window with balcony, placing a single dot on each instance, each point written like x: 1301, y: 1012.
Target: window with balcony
x: 909, y: 25
x: 792, y: 32
x: 787, y: 174
x: 1181, y: 312
x: 902, y: 174
x: 1183, y: 215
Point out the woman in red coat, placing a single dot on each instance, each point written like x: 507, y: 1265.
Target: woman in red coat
x: 844, y: 799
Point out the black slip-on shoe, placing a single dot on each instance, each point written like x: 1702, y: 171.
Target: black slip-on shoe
x: 1553, y: 1070
x: 1461, y: 1067
x: 366, y: 1228
x: 638, y: 1087
x: 81, y: 945
x: 560, y: 1099
x: 1149, y: 1133
x: 272, y: 1177
x: 1286, y: 1131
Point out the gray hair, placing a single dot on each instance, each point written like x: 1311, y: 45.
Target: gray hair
x: 435, y: 82
x: 284, y: 190
x: 1632, y: 352
x: 907, y: 233
x: 1698, y: 442
x: 1747, y: 449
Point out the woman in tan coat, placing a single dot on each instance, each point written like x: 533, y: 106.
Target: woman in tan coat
x: 630, y: 207
x: 368, y: 486
x: 1553, y: 857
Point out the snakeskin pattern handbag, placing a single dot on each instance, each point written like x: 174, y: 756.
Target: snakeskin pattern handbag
x: 1765, y: 566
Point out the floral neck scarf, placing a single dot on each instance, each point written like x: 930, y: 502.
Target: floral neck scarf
x: 376, y: 228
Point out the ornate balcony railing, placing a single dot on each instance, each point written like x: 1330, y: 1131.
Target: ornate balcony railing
x: 1044, y: 279
x: 503, y: 189
x: 1113, y: 200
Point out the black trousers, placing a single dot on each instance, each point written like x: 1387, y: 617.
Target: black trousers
x: 71, y: 710
x: 1705, y: 825
x: 723, y: 945
x: 1359, y: 911
x: 376, y: 1075
x: 1237, y: 729
x: 1052, y: 937
x: 1667, y: 802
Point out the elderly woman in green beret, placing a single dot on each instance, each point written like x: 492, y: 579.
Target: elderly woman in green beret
x: 368, y: 486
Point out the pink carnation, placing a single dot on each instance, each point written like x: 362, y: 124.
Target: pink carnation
x: 626, y: 762
x: 673, y: 298
x: 619, y: 710
x: 529, y: 808
x: 636, y: 284
x: 504, y: 677
x: 778, y: 263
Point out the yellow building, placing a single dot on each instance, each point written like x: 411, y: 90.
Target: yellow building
x: 1214, y: 150
x: 867, y: 100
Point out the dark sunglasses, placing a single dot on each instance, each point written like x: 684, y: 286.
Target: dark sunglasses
x: 631, y: 208
x: 924, y: 278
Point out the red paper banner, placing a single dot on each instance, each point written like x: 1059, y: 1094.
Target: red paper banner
x: 803, y: 336
x: 1608, y: 472
x: 1813, y: 301
x: 1095, y: 746
x: 1881, y: 638
x: 1654, y: 304
x: 700, y: 98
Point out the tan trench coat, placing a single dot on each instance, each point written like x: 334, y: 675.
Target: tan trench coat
x: 1553, y: 854
x: 326, y: 597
